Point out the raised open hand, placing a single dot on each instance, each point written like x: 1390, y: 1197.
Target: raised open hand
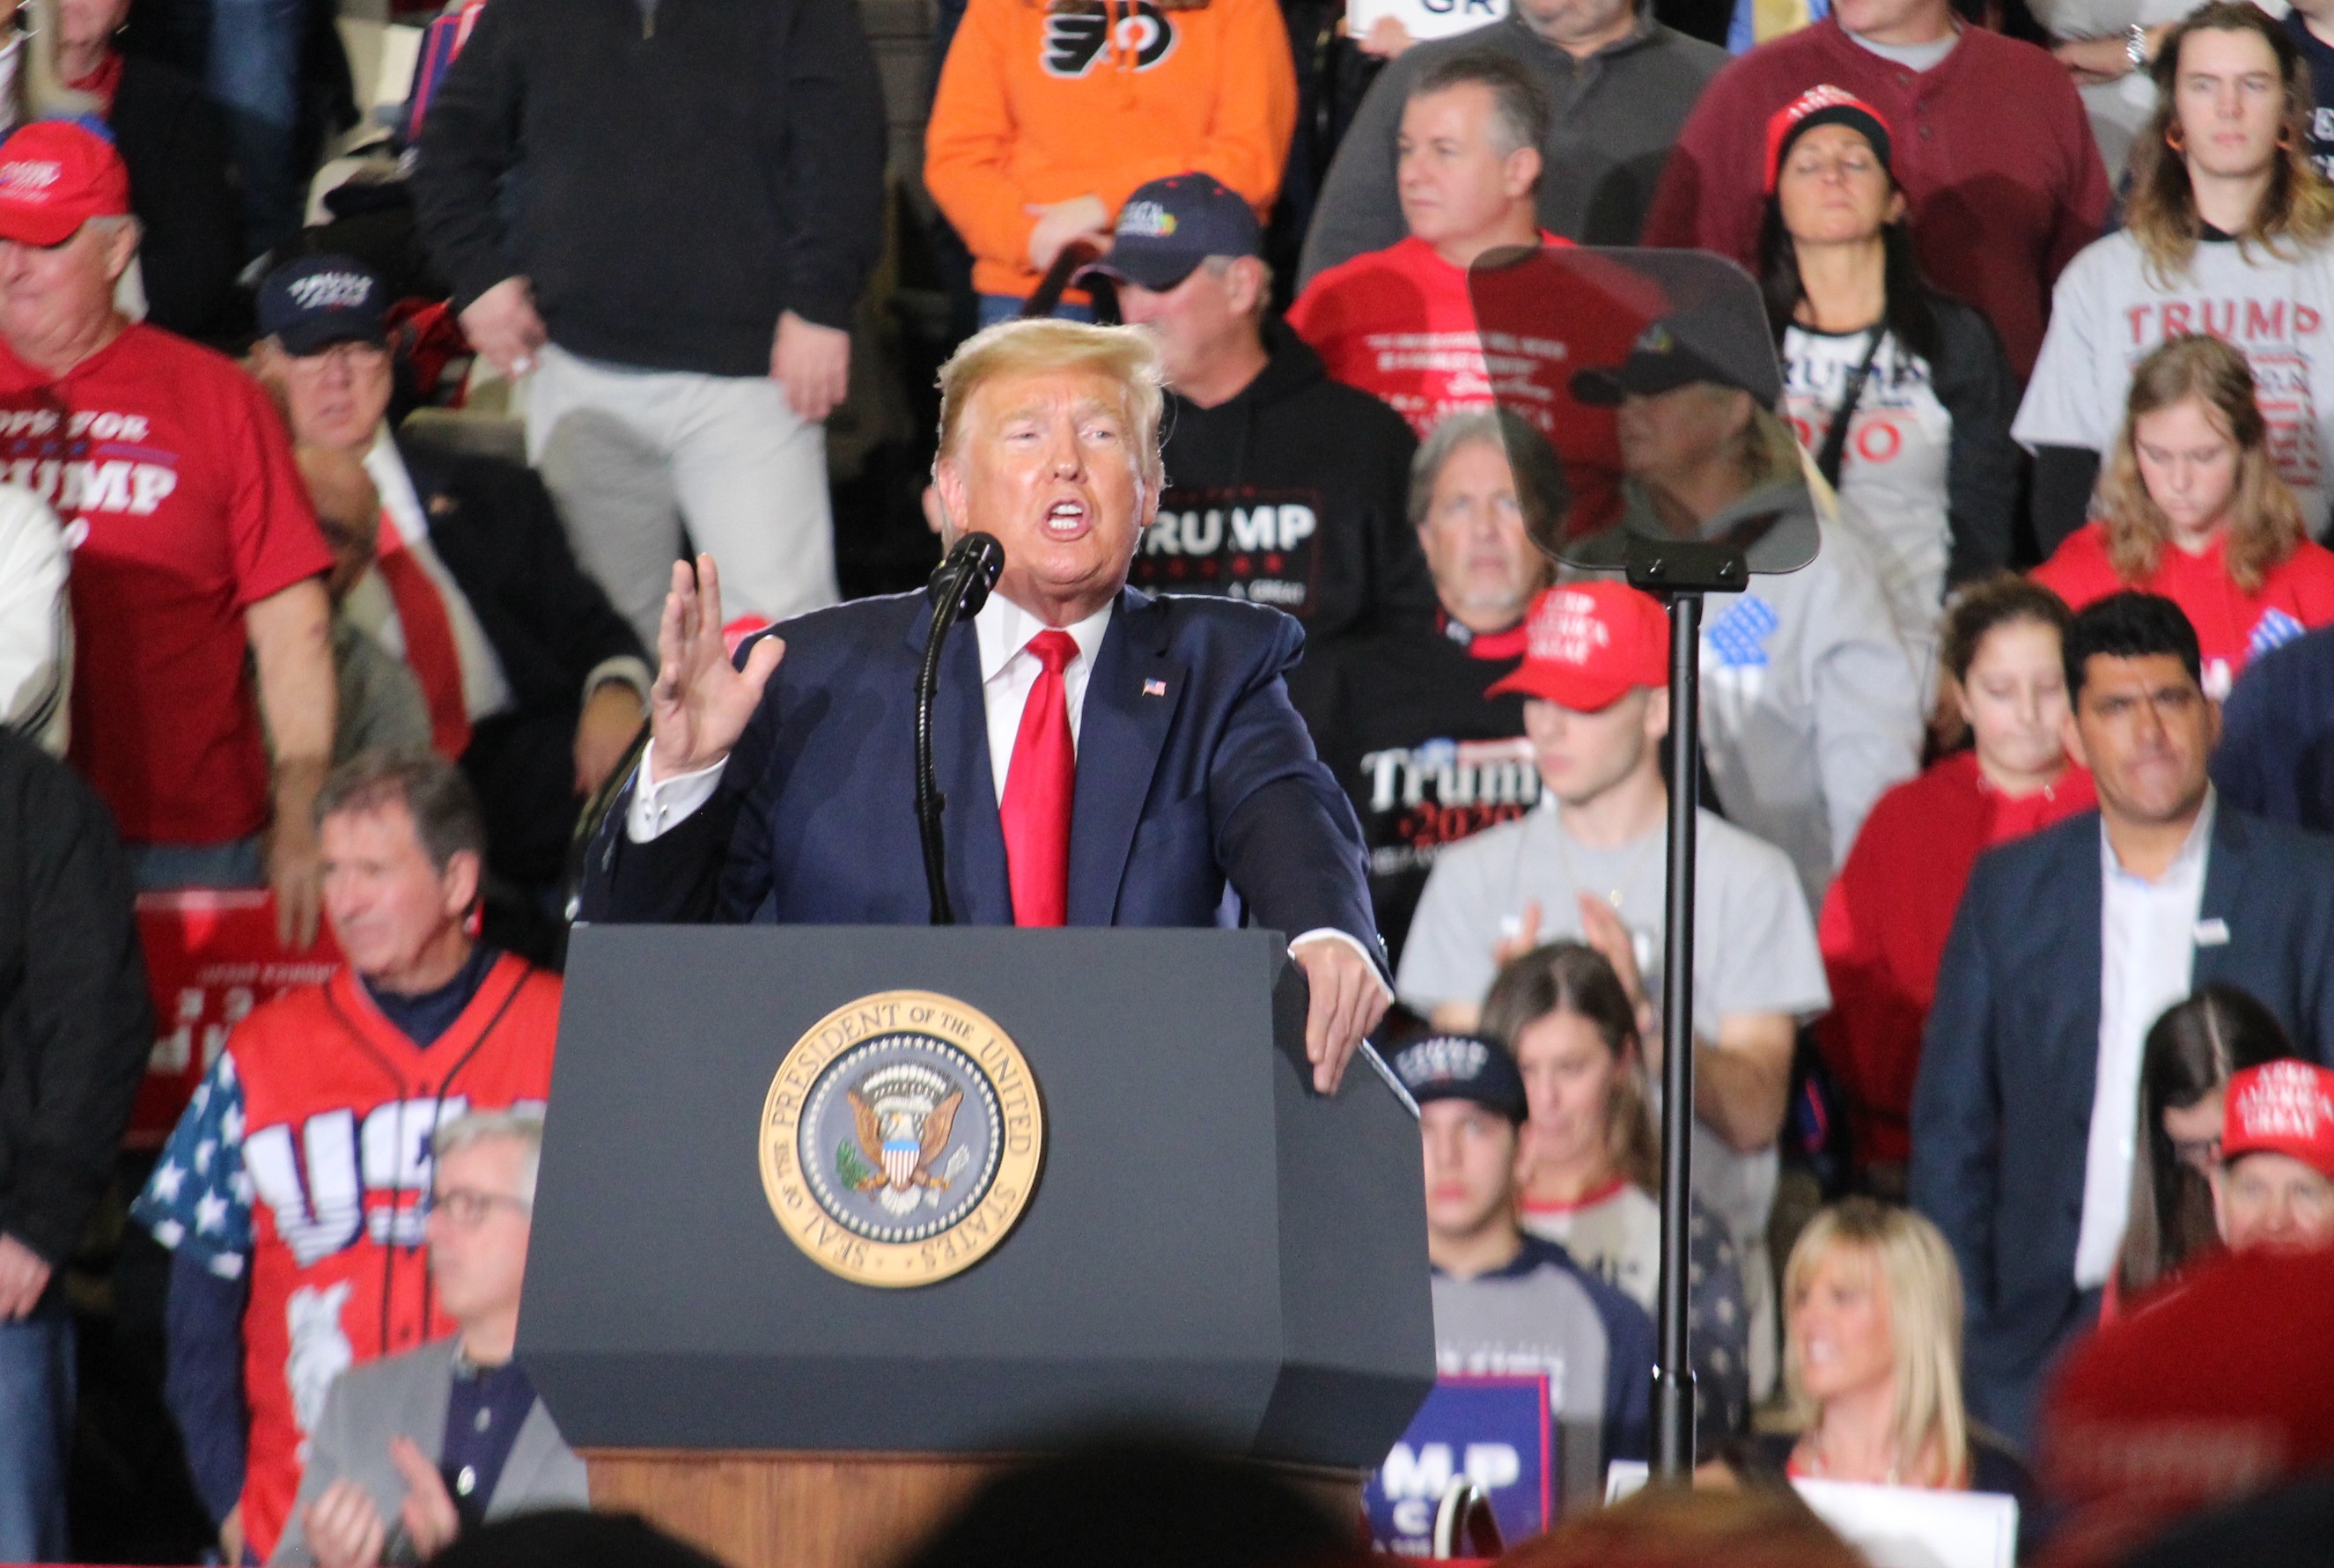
x: 700, y: 703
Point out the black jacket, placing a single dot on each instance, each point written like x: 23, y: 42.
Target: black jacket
x: 679, y: 172
x: 75, y: 1025
x: 1970, y: 377
x: 1293, y: 494
x: 494, y: 526
x: 175, y: 148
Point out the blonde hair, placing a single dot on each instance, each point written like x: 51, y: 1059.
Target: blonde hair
x: 1922, y: 1285
x: 2162, y: 214
x: 1127, y: 355
x: 2265, y: 524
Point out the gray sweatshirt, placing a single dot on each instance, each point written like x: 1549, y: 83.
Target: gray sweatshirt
x: 1616, y: 114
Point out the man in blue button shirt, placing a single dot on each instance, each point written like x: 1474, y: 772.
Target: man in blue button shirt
x: 413, y: 1450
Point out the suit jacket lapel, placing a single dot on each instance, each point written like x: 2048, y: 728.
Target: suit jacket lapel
x: 2225, y: 870
x: 978, y: 884
x: 1130, y: 704
x: 2082, y: 912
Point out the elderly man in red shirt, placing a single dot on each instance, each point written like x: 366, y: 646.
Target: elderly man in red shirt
x: 192, y: 540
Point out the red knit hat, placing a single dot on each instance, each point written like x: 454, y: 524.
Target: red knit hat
x: 1823, y: 105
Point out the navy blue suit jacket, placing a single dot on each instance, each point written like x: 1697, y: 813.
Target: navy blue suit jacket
x: 2001, y: 1109
x: 1193, y: 770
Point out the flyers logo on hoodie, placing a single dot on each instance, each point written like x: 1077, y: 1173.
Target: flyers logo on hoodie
x: 1074, y: 39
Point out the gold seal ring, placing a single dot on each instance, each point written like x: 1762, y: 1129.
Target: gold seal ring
x: 902, y: 1139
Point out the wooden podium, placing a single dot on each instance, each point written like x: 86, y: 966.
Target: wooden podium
x: 1211, y: 1250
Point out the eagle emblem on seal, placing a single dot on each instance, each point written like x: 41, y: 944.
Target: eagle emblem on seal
x: 903, y: 1115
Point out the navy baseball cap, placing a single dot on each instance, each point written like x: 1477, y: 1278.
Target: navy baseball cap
x: 1711, y: 344
x: 1171, y: 225
x: 1463, y: 1067
x: 312, y: 303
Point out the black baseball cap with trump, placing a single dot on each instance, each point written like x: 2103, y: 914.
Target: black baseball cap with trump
x: 308, y: 304
x: 1171, y: 225
x: 1463, y: 1067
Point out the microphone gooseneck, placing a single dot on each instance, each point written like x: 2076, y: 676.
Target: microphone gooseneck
x: 959, y: 587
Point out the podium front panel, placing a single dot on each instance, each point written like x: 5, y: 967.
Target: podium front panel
x: 1149, y: 1278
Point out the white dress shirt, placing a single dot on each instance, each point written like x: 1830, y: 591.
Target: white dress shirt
x: 1003, y: 631
x: 2147, y: 950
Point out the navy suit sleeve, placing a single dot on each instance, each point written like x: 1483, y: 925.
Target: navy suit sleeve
x: 1956, y: 1102
x: 1288, y: 838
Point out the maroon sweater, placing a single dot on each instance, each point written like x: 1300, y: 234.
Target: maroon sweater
x: 1992, y: 146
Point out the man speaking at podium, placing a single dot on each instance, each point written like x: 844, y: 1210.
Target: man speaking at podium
x: 1107, y: 758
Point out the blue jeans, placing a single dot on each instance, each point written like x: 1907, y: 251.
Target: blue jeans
x: 254, y: 76
x: 995, y: 308
x: 37, y: 1415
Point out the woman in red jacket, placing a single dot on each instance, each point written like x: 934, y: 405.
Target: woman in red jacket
x: 1886, y: 917
x: 2192, y: 507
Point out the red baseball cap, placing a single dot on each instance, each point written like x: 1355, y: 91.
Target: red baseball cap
x: 1821, y: 105
x: 2284, y: 1107
x: 54, y: 177
x: 1586, y: 645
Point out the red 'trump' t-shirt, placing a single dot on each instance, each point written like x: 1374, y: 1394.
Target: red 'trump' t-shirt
x: 173, y: 475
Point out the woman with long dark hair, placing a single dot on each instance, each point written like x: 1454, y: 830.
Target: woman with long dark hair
x: 2192, y: 1051
x: 1902, y: 395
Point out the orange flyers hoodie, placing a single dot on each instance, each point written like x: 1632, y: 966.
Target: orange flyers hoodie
x: 1042, y: 101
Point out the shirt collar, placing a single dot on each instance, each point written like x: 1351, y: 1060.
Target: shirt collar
x: 2186, y: 865
x: 1004, y: 629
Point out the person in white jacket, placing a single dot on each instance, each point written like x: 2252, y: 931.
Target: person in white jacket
x: 35, y: 622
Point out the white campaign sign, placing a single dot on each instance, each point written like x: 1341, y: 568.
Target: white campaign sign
x: 1423, y: 18
x: 1893, y: 1526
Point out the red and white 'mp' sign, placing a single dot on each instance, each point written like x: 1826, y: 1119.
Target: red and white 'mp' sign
x: 210, y: 958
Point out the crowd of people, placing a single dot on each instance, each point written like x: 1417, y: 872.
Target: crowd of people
x: 2014, y: 937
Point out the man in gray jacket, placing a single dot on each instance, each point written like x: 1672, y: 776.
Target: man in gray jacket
x: 413, y: 1450
x: 1620, y: 83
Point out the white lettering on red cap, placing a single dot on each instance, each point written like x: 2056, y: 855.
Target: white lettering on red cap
x: 1568, y: 630
x: 28, y: 178
x: 2285, y: 1099
x: 1824, y: 96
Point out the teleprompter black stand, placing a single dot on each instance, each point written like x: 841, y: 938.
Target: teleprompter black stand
x: 1680, y: 573
x: 1212, y: 1249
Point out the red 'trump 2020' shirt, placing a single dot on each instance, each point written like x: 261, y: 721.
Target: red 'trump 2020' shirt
x: 173, y: 475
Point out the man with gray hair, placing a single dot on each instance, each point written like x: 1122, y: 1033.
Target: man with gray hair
x: 194, y: 547
x: 1619, y: 84
x: 1398, y: 322
x: 415, y: 1449
x: 1284, y: 487
x: 293, y: 1192
x: 1401, y: 717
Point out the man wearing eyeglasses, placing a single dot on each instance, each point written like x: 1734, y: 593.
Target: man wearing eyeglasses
x: 533, y: 682
x: 416, y: 1449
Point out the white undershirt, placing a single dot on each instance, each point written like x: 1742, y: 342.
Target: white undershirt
x: 2147, y: 950
x: 1008, y: 671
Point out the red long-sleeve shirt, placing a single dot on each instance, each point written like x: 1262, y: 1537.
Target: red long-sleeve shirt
x: 1885, y: 920
x: 1990, y: 145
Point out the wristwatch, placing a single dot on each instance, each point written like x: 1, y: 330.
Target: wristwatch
x: 2135, y: 46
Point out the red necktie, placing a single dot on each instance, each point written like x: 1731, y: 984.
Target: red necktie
x: 1039, y: 783
x: 430, y: 649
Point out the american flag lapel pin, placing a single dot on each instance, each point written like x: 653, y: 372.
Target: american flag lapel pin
x: 1154, y: 688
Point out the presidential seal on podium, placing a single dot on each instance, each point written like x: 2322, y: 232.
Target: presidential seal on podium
x: 902, y: 1139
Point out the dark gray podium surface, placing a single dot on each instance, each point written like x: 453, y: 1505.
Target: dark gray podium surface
x: 1210, y: 1247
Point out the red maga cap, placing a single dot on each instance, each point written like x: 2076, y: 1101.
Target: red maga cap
x: 2284, y: 1107
x: 1589, y: 644
x: 54, y: 177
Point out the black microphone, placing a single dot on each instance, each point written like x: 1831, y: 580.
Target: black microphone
x: 959, y: 587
